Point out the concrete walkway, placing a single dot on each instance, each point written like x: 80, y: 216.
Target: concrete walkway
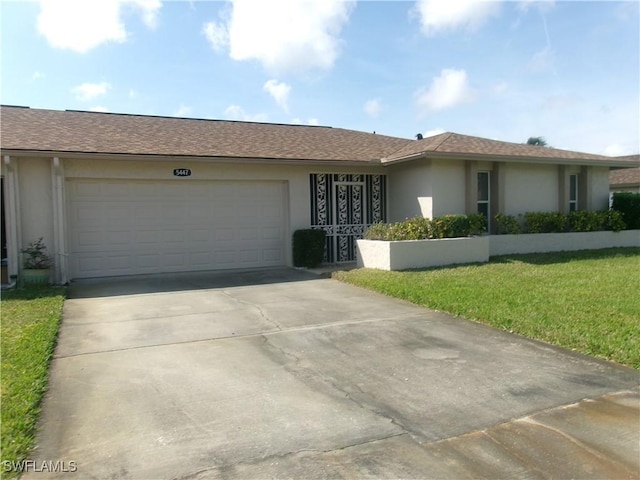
x: 281, y: 374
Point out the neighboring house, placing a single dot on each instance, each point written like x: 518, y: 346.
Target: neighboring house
x: 627, y: 179
x: 128, y: 194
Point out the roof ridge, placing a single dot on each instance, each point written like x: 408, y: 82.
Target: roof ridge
x: 447, y: 136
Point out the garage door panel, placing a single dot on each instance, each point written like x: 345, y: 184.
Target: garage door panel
x: 126, y: 227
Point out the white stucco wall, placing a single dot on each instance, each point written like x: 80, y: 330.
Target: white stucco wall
x: 599, y: 182
x: 35, y: 201
x: 530, y: 188
x: 558, y: 242
x: 448, y: 188
x: 409, y: 190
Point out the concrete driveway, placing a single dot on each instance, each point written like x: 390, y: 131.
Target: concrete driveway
x: 282, y: 374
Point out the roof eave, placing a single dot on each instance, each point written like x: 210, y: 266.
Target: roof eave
x: 182, y: 158
x: 613, y: 162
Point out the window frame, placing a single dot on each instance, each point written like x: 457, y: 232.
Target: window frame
x: 573, y: 192
x: 484, y: 201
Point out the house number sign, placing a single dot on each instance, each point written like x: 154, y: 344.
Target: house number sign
x: 181, y: 172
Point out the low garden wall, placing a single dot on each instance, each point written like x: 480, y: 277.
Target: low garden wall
x: 407, y: 254
x: 558, y: 242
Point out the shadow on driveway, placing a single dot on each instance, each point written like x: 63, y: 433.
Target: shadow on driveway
x: 182, y: 281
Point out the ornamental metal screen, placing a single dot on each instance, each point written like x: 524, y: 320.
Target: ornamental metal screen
x: 344, y: 205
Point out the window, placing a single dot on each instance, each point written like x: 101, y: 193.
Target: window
x: 573, y: 193
x: 483, y: 195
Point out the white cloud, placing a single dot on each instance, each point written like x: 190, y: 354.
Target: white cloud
x: 434, y: 132
x: 99, y: 108
x: 500, y: 88
x: 441, y: 15
x: 542, y: 61
x: 133, y: 93
x: 182, y: 111
x: 372, y: 107
x: 617, y: 150
x: 89, y: 91
x: 37, y: 76
x: 81, y: 25
x: 217, y: 34
x: 149, y: 10
x: 542, y: 5
x: 287, y: 36
x: 449, y: 89
x: 236, y: 112
x: 310, y: 121
x: 280, y: 93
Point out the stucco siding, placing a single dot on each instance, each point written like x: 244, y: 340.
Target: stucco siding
x: 530, y: 188
x: 599, y: 188
x: 35, y: 201
x: 410, y: 190
x: 449, y: 190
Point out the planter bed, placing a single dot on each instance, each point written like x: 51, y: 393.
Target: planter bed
x: 408, y: 254
x: 558, y: 242
x: 402, y: 255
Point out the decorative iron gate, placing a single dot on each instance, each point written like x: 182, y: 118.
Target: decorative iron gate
x: 344, y: 205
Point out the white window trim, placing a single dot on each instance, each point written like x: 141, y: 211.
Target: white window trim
x: 573, y: 202
x: 486, y: 202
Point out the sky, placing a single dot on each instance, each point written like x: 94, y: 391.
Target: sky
x: 568, y: 71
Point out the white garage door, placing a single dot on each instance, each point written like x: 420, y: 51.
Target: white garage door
x: 125, y: 227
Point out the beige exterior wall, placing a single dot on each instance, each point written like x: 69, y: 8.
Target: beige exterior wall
x: 409, y: 190
x: 449, y: 192
x: 35, y: 203
x: 530, y: 188
x: 599, y: 186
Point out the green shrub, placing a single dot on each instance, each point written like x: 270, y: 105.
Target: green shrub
x: 628, y: 204
x: 545, y: 222
x: 507, y: 224
x: 377, y: 231
x: 584, y: 221
x: 477, y: 224
x: 615, y: 222
x: 419, y: 228
x: 308, y: 247
x: 455, y: 226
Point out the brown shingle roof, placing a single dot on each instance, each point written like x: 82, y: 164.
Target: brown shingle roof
x: 625, y: 177
x: 452, y: 143
x: 89, y: 132
x: 54, y: 131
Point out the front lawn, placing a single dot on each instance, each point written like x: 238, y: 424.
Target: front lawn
x: 30, y: 320
x: 587, y: 301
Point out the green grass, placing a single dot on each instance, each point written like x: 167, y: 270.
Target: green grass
x: 30, y: 320
x: 588, y: 301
